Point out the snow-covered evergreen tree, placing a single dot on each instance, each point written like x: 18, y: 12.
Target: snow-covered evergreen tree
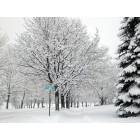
x: 128, y: 86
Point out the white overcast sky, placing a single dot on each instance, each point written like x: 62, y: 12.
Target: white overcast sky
x: 108, y: 29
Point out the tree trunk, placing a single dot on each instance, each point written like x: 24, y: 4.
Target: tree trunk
x: 8, y: 100
x: 71, y: 102
x: 102, y: 101
x: 67, y: 101
x: 74, y: 103
x: 82, y: 103
x: 77, y: 104
x: 22, y: 100
x: 31, y: 104
x: 38, y: 103
x: 86, y: 104
x: 34, y: 103
x: 42, y: 102
x: 62, y: 101
x: 57, y: 100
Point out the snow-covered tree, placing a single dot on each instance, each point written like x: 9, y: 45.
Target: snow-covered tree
x: 128, y: 86
x: 104, y: 84
x: 55, y: 49
x: 59, y: 51
x: 3, y: 42
x: 3, y: 39
x: 99, y: 83
x: 9, y: 79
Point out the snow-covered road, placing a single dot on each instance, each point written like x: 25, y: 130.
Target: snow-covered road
x: 90, y: 114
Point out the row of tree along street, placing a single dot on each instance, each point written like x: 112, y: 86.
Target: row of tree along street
x: 55, y: 51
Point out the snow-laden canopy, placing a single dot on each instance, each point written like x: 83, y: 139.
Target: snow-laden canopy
x: 134, y: 91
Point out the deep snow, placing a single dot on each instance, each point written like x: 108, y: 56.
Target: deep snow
x: 91, y: 114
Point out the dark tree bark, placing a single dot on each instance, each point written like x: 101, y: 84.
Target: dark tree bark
x: 62, y: 101
x: 8, y: 100
x: 67, y: 101
x: 86, y: 104
x: 22, y: 102
x: 57, y: 100
x: 31, y: 104
x: 34, y: 103
x: 77, y: 104
x: 38, y: 103
x: 82, y: 103
x: 42, y: 103
x: 71, y: 102
x: 103, y: 100
x: 74, y: 103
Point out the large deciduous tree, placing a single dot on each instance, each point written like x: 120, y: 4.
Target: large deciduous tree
x: 51, y: 48
x: 59, y: 51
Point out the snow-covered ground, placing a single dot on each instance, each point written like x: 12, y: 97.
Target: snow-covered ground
x: 90, y: 114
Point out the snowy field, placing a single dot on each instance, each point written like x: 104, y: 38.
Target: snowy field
x: 90, y: 114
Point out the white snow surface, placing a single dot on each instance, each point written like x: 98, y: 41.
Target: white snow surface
x: 91, y: 114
